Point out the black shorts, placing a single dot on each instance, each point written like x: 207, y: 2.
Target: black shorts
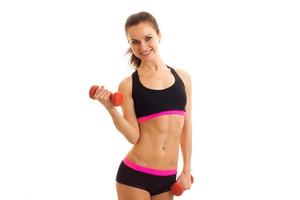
x: 154, y: 184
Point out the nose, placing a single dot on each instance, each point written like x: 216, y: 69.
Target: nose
x: 143, y: 46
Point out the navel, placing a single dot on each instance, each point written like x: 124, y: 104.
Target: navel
x: 164, y: 146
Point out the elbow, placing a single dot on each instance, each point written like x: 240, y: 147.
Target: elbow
x: 134, y: 142
x: 135, y: 138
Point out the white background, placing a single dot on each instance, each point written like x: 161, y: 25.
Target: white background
x: 243, y: 56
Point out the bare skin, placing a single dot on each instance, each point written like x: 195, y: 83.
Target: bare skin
x: 156, y: 142
x: 159, y: 140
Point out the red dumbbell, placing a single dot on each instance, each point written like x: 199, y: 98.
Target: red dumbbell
x: 177, y: 189
x: 116, y: 98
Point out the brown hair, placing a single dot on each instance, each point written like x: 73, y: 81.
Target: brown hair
x: 133, y: 20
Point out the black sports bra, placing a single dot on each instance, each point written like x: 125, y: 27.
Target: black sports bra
x: 151, y: 103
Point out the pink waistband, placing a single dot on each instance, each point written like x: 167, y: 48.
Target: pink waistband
x: 147, y: 170
x: 145, y: 118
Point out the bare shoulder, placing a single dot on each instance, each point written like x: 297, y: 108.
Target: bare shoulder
x: 125, y: 85
x: 184, y: 75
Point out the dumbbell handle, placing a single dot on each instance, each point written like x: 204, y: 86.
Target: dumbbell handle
x: 116, y: 98
x: 177, y: 189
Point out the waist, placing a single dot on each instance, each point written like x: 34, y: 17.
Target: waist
x: 156, y: 159
x: 149, y: 170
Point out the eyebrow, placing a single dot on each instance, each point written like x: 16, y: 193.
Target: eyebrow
x: 138, y: 40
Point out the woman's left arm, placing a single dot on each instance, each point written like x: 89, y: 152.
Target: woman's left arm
x: 186, y: 135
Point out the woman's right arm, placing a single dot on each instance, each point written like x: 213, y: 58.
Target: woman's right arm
x: 126, y: 124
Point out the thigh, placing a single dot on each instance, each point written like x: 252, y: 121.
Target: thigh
x: 126, y: 192
x: 163, y: 196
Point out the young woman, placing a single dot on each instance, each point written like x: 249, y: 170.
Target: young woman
x: 156, y: 117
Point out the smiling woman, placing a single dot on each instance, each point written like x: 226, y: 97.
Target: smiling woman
x: 156, y: 117
x: 143, y: 36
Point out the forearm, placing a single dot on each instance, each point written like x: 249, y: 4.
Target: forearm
x: 186, y: 149
x: 123, y: 126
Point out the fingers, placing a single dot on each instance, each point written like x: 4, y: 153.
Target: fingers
x: 102, y: 94
x: 189, y: 186
x: 186, y: 184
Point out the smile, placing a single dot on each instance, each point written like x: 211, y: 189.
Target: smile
x: 146, y: 53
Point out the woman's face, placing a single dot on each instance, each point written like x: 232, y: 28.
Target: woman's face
x: 143, y: 40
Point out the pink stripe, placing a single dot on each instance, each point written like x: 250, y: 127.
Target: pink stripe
x: 145, y: 118
x: 147, y: 170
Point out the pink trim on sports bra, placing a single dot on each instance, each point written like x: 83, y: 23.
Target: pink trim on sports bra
x: 147, y: 170
x: 169, y: 112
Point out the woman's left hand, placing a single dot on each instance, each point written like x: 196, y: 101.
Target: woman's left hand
x: 185, y: 180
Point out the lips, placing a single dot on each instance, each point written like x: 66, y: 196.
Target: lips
x: 145, y: 53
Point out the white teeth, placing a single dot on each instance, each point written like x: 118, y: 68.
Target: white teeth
x: 145, y: 53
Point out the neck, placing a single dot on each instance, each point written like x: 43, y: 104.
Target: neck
x: 156, y: 65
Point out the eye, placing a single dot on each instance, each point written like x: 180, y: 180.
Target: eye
x: 134, y: 42
x: 148, y: 38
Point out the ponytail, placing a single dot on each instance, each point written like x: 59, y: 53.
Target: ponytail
x: 134, y: 61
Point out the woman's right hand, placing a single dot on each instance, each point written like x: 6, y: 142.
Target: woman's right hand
x: 103, y: 96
